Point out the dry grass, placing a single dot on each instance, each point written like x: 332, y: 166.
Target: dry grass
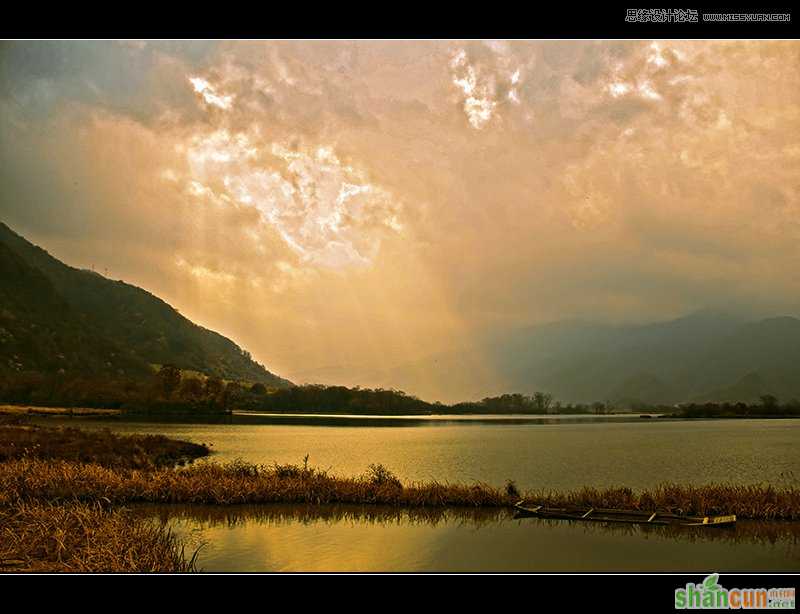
x: 80, y: 537
x: 761, y: 502
x: 40, y: 535
x: 20, y: 440
x: 241, y: 483
x: 234, y: 483
x: 61, y: 488
x: 57, y: 411
x: 746, y: 531
x: 292, y: 513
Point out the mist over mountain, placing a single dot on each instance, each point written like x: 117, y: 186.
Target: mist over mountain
x: 56, y: 318
x: 705, y: 356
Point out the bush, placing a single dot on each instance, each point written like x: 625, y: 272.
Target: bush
x: 378, y: 475
x: 511, y: 489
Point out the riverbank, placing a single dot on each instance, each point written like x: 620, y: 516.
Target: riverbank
x: 49, y: 476
x: 21, y: 440
x: 167, y: 411
x: 63, y: 534
x: 16, y: 410
x: 85, y: 537
x: 243, y: 483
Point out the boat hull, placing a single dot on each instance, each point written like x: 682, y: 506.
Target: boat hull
x: 626, y: 516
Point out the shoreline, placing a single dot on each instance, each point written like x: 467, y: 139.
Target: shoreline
x: 26, y: 409
x: 62, y: 464
x: 95, y: 412
x: 85, y: 485
x: 238, y: 483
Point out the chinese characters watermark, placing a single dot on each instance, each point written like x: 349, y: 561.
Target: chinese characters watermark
x: 661, y: 16
x: 694, y: 16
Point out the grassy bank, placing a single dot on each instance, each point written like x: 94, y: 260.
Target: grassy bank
x: 19, y: 439
x: 65, y: 534
x: 233, y: 483
x: 80, y: 537
x: 240, y: 483
x: 746, y: 531
x: 62, y: 492
x: 757, y: 502
x: 16, y: 410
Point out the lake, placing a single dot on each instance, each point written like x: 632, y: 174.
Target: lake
x: 556, y: 452
x: 371, y: 538
x: 553, y: 452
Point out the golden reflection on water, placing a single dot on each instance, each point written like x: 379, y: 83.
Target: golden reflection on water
x: 563, y: 457
x: 374, y: 538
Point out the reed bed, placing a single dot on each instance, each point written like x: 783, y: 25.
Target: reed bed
x: 758, y: 501
x: 84, y: 537
x: 62, y: 492
x: 56, y: 411
x: 30, y: 479
x: 746, y: 531
x: 762, y: 532
x: 232, y: 483
x: 284, y: 513
x: 19, y: 439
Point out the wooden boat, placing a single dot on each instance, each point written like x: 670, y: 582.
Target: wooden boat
x: 629, y: 516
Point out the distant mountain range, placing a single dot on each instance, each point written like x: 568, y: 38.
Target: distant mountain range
x: 56, y: 318
x: 706, y: 356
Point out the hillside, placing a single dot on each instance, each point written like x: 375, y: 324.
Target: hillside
x: 53, y: 317
x: 705, y: 356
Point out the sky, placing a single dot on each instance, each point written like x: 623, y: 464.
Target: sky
x: 339, y: 207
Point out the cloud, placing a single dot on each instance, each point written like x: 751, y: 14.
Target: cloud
x: 209, y: 93
x: 140, y: 80
x: 366, y: 203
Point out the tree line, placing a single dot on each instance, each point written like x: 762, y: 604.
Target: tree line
x: 171, y: 390
x: 768, y: 406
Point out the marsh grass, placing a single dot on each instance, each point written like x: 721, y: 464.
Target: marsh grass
x: 746, y: 531
x: 62, y: 492
x: 17, y: 410
x: 757, y: 501
x: 20, y: 439
x: 234, y: 483
x: 283, y: 514
x: 84, y: 537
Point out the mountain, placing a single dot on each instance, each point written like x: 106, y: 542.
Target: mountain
x: 640, y: 388
x: 40, y: 332
x: 55, y: 317
x: 704, y: 356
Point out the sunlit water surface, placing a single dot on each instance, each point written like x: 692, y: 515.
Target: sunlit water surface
x: 559, y: 453
x: 362, y: 538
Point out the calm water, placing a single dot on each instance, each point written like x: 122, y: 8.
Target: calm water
x: 362, y: 538
x: 560, y: 454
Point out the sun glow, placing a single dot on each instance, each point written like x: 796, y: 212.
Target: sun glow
x: 210, y: 95
x: 326, y: 211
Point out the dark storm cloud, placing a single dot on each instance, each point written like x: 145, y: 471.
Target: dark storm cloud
x: 131, y: 78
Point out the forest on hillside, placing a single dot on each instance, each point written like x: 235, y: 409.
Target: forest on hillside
x: 171, y: 390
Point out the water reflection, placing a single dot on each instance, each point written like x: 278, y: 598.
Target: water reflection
x: 376, y: 538
x: 744, y: 532
x: 563, y: 456
x: 277, y: 514
x: 349, y: 420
